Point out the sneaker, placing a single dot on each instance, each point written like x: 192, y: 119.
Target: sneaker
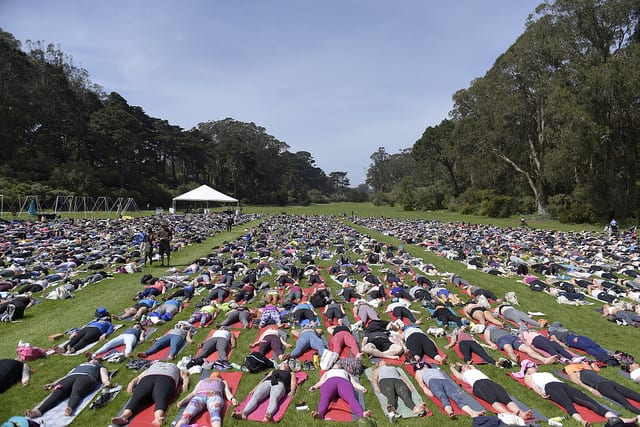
x: 298, y: 366
x: 578, y: 359
x: 292, y: 365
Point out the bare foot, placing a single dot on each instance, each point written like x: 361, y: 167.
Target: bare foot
x: 366, y: 414
x: 32, y: 413
x: 67, y: 411
x: 158, y: 421
x: 315, y: 415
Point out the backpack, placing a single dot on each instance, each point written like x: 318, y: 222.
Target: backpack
x: 27, y: 352
x: 256, y: 362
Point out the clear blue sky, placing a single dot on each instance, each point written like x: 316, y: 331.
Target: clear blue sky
x: 336, y: 78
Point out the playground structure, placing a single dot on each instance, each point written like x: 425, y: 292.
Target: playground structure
x: 32, y: 205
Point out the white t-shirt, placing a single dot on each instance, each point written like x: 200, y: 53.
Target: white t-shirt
x: 470, y: 376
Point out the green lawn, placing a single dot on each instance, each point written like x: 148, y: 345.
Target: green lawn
x: 50, y: 317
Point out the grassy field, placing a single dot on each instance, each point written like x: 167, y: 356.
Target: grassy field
x: 50, y: 317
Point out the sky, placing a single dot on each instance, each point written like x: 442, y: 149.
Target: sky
x: 335, y: 78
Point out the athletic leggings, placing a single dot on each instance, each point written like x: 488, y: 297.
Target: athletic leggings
x: 158, y: 389
x: 444, y: 316
x: 334, y: 313
x: 567, y: 396
x: 213, y: 403
x: 490, y: 392
x: 84, y: 337
x: 271, y: 342
x: 420, y: 345
x: 402, y: 312
x: 173, y: 341
x: 242, y: 316
x: 342, y: 339
x: 304, y: 314
x: 611, y: 389
x: 392, y: 388
x: 213, y: 344
x: 553, y: 348
x: 263, y: 391
x: 519, y: 317
x: 334, y: 387
x: 468, y: 347
x: 76, y: 387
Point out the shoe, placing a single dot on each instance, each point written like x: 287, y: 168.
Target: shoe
x: 298, y: 366
x: 305, y: 365
x: 578, y: 359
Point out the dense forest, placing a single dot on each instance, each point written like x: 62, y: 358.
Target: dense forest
x: 552, y: 128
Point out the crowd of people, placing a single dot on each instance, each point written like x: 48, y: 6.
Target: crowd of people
x: 299, y: 286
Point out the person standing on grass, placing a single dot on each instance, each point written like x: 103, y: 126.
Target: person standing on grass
x: 165, y: 235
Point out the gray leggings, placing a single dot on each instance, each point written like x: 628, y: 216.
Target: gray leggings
x: 265, y: 390
x: 519, y: 317
x: 211, y: 345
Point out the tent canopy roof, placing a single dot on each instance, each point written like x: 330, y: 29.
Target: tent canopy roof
x: 206, y: 194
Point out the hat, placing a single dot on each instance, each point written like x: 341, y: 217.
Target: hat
x: 524, y: 365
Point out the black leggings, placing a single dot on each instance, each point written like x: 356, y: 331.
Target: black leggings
x: 490, y: 392
x: 75, y: 387
x: 567, y: 396
x: 444, y: 316
x: 469, y: 347
x: 402, y: 312
x: 392, y: 388
x: 158, y: 389
x: 553, y: 348
x: 271, y: 342
x: 419, y: 344
x: 84, y: 337
x: 334, y: 313
x: 304, y: 314
x: 612, y: 390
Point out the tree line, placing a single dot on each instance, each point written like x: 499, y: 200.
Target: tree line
x: 552, y: 128
x: 62, y: 135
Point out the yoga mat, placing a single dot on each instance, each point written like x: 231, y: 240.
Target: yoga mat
x: 402, y: 410
x: 87, y: 347
x: 258, y: 414
x: 55, y: 417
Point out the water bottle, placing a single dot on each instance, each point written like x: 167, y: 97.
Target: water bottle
x: 556, y: 421
x: 316, y: 361
x: 234, y: 365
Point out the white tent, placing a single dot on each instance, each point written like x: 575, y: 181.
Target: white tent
x: 204, y: 193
